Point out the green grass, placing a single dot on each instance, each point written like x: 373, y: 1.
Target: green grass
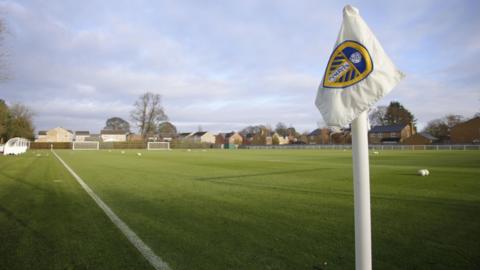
x: 245, y: 209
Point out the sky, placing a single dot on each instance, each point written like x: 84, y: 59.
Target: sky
x: 224, y: 65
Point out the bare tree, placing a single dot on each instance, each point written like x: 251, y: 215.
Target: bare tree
x: 148, y: 113
x: 376, y: 116
x: 281, y: 129
x: 440, y: 128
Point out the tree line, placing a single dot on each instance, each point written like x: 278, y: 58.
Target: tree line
x: 15, y: 121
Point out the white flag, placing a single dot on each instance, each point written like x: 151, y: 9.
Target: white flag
x: 358, y: 73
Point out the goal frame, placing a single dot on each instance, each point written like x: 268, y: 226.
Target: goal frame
x: 167, y: 148
x: 97, y: 148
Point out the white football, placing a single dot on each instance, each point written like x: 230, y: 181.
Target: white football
x: 139, y: 154
x: 422, y: 172
x: 123, y: 152
x: 376, y: 152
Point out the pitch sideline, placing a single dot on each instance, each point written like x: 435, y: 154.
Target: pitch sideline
x: 145, y: 250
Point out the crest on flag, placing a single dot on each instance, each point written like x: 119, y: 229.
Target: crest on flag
x: 358, y: 73
x: 349, y: 63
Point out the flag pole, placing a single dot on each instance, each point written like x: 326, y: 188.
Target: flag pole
x: 361, y: 179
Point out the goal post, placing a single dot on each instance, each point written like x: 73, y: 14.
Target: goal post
x: 158, y: 146
x: 85, y: 146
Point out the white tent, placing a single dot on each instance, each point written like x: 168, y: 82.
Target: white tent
x: 16, y: 146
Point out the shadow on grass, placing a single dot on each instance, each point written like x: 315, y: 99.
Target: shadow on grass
x: 259, y: 174
x: 24, y: 224
x: 19, y: 180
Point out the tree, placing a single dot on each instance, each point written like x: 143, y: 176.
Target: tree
x: 281, y: 129
x: 376, y: 116
x: 275, y: 140
x: 20, y: 123
x: 148, y: 113
x: 253, y: 129
x: 117, y: 123
x: 4, y: 117
x: 453, y: 119
x: 397, y: 114
x: 440, y: 128
x: 167, y: 130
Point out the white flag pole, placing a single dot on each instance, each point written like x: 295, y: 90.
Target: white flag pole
x: 361, y: 178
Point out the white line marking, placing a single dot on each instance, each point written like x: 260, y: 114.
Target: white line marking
x: 146, y: 251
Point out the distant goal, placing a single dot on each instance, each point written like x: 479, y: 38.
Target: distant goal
x: 158, y: 146
x: 85, y: 145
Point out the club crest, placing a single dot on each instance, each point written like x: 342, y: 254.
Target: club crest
x: 350, y: 63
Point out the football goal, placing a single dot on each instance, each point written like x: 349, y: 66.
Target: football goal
x: 85, y: 145
x: 158, y: 146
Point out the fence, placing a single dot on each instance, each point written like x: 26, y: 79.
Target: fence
x: 371, y: 147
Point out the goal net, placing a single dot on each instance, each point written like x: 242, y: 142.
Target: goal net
x: 85, y: 145
x: 158, y: 146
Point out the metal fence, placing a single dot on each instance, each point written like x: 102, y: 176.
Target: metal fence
x: 371, y: 147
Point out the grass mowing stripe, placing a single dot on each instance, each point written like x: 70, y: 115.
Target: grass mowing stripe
x: 145, y: 250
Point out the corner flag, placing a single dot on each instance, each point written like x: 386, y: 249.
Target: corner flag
x: 358, y: 73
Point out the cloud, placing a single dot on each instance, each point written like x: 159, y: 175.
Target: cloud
x: 225, y: 65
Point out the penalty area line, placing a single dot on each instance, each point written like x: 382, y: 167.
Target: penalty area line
x: 145, y: 250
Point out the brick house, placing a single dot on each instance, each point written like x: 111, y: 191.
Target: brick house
x: 467, y: 132
x: 390, y: 133
x: 421, y: 138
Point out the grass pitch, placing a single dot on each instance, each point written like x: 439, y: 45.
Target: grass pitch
x: 245, y: 209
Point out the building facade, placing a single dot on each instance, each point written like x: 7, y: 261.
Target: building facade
x: 108, y: 135
x: 390, y: 133
x: 57, y: 134
x: 467, y: 132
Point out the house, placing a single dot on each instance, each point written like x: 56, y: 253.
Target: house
x: 110, y: 135
x: 132, y: 137
x: 80, y: 136
x: 57, y: 134
x: 93, y: 138
x: 275, y: 138
x: 421, y: 138
x: 220, y: 139
x: 248, y: 138
x: 202, y: 137
x: 390, y: 133
x: 42, y: 136
x: 233, y: 138
x: 319, y: 136
x: 467, y: 132
x: 184, y: 136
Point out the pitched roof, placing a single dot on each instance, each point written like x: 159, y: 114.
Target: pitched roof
x: 82, y: 132
x: 428, y: 136
x: 388, y: 128
x: 230, y: 134
x: 316, y: 132
x: 199, y: 133
x: 113, y: 132
x: 184, y: 134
